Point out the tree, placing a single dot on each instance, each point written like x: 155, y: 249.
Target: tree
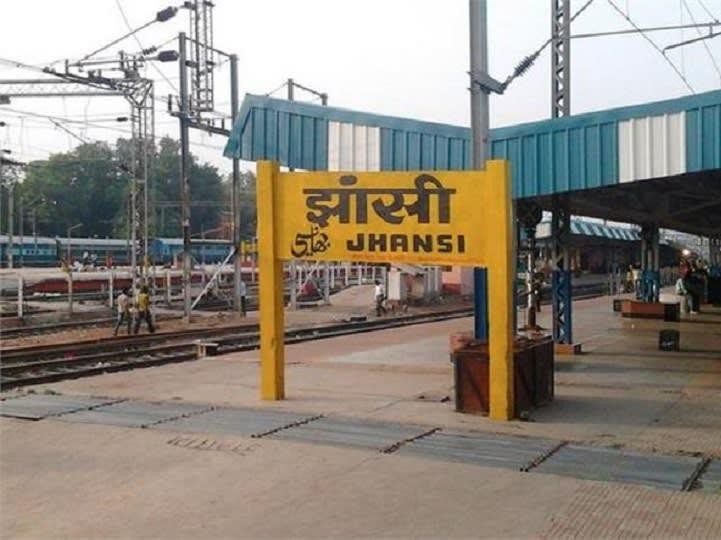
x: 248, y: 217
x: 82, y: 186
x: 206, y: 192
x: 92, y: 184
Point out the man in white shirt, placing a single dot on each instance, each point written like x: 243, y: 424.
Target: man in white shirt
x: 123, y: 311
x: 379, y: 297
x: 243, y: 293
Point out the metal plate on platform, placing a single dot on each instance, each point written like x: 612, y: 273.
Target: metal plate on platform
x: 607, y: 464
x: 488, y: 450
x: 350, y: 432
x: 234, y: 422
x: 710, y: 480
x: 134, y: 413
x: 39, y: 406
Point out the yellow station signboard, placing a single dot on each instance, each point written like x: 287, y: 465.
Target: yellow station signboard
x: 436, y: 217
x: 433, y: 217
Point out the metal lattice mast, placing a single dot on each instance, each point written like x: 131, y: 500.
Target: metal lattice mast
x: 138, y: 92
x: 202, y: 58
x: 561, y: 219
x: 560, y: 58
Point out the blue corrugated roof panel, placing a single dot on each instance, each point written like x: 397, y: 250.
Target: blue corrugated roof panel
x: 703, y: 136
x: 551, y: 156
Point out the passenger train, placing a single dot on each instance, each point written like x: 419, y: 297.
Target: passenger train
x: 47, y: 251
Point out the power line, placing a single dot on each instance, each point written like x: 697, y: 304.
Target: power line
x: 268, y: 94
x: 653, y: 44
x: 705, y: 45
x: 127, y: 23
x: 707, y: 10
x: 525, y: 64
x: 97, y: 126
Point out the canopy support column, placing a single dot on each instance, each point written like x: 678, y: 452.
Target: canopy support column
x: 562, y: 282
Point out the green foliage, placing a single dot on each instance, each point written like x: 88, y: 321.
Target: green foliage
x: 246, y: 197
x: 91, y: 185
x: 82, y: 186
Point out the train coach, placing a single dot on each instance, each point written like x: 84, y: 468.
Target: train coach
x: 29, y: 250
x: 44, y: 251
x: 205, y: 251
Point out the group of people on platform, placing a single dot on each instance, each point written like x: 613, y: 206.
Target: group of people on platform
x: 142, y: 310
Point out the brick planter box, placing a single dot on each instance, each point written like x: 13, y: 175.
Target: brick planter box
x: 650, y: 310
x: 533, y: 375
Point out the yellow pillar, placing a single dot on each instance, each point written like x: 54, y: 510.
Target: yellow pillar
x: 501, y: 277
x: 272, y: 361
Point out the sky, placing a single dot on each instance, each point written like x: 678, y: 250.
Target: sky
x: 404, y: 58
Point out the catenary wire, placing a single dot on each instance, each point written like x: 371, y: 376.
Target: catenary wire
x: 707, y: 10
x: 127, y: 24
x: 653, y: 44
x: 705, y: 45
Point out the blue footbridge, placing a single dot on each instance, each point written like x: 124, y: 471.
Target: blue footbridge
x: 657, y: 165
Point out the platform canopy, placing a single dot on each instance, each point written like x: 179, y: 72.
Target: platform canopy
x: 656, y: 163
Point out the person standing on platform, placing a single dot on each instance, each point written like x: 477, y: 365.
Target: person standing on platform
x: 123, y: 311
x: 692, y: 284
x: 379, y: 295
x: 143, y: 305
x: 243, y: 293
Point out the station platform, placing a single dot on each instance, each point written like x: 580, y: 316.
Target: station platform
x: 368, y: 445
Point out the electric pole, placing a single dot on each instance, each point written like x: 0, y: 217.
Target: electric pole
x: 237, y: 259
x: 479, y: 139
x: 184, y: 117
x: 560, y: 58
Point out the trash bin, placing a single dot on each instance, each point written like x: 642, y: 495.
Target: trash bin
x: 669, y: 340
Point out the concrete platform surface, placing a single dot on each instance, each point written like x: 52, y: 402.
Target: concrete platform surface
x: 87, y: 480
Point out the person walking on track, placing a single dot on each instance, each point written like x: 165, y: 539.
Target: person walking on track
x: 243, y: 294
x: 143, y: 305
x: 123, y: 311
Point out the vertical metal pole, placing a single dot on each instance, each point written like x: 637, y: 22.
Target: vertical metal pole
x: 479, y: 98
x: 70, y: 290
x: 168, y: 286
x: 290, y: 87
x: 11, y: 223
x: 479, y: 140
x: 185, y: 176
x: 134, y: 224
x: 21, y: 231
x: 35, y: 232
x: 21, y: 286
x: 237, y: 258
x: 560, y: 58
x: 293, y: 278
x: 326, y: 283
x: 111, y: 288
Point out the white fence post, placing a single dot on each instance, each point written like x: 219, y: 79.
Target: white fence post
x: 168, y: 287
x: 111, y: 286
x: 21, y: 285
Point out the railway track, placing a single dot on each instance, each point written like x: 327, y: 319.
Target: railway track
x: 52, y: 328
x: 45, y: 364
x: 580, y: 292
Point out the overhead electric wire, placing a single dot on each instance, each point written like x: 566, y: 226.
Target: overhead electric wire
x: 708, y: 49
x: 98, y: 126
x: 268, y: 94
x: 653, y: 44
x: 525, y: 64
x: 156, y: 68
x: 708, y: 11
